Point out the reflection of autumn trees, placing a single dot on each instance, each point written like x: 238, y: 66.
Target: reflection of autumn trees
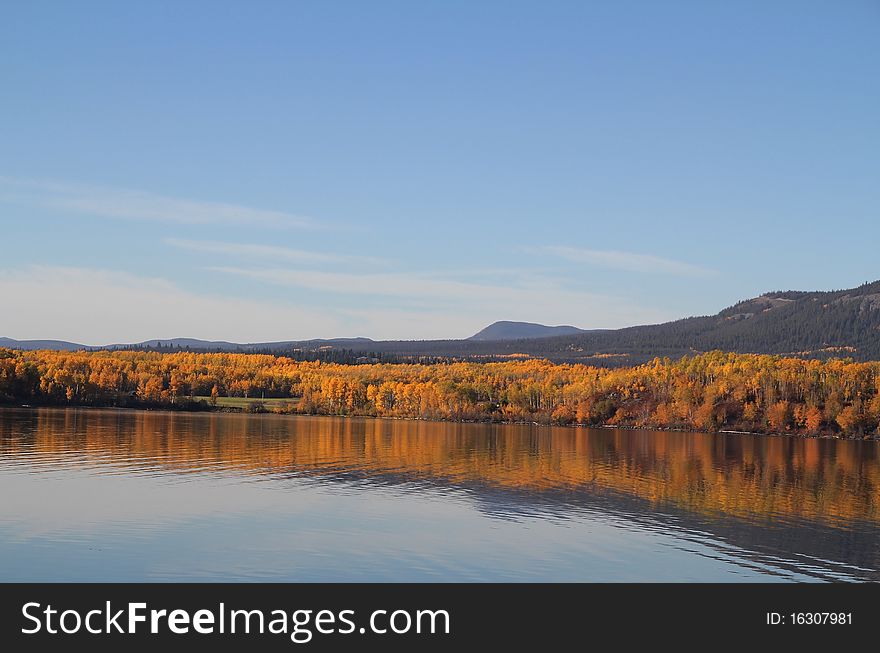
x: 749, y: 477
x: 710, y: 391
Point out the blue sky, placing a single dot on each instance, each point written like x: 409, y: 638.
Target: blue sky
x: 283, y: 170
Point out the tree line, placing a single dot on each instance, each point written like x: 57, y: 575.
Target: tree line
x: 712, y: 391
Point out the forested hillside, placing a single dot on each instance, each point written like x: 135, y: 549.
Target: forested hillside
x: 820, y: 325
x: 506, y: 330
x: 817, y: 324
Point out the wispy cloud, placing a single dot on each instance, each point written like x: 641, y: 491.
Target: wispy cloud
x: 528, y: 298
x: 97, y: 306
x: 418, y: 286
x: 269, y: 252
x: 127, y: 204
x: 382, y: 284
x: 628, y: 261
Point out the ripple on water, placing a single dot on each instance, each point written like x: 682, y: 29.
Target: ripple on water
x: 125, y: 495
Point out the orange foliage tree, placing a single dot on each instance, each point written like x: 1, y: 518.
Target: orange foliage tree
x: 711, y: 391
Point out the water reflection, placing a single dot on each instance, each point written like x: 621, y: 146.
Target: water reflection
x: 522, y: 502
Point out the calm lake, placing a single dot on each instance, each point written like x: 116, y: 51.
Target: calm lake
x: 119, y: 495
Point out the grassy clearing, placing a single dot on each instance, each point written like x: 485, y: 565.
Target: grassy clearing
x: 245, y: 403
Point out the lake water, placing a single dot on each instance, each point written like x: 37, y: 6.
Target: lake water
x: 147, y: 496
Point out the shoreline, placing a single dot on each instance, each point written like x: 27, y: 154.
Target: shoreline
x: 622, y: 427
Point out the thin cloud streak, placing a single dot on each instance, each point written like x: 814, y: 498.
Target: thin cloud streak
x: 125, y: 204
x: 533, y: 299
x: 628, y: 261
x: 272, y: 252
x: 97, y: 306
x: 400, y: 285
x: 389, y: 285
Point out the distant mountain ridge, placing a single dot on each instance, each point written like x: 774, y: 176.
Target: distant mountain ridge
x: 818, y: 324
x: 60, y: 345
x: 506, y: 330
x: 806, y: 324
x: 183, y: 343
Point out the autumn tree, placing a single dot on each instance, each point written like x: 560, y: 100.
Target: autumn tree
x: 707, y: 391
